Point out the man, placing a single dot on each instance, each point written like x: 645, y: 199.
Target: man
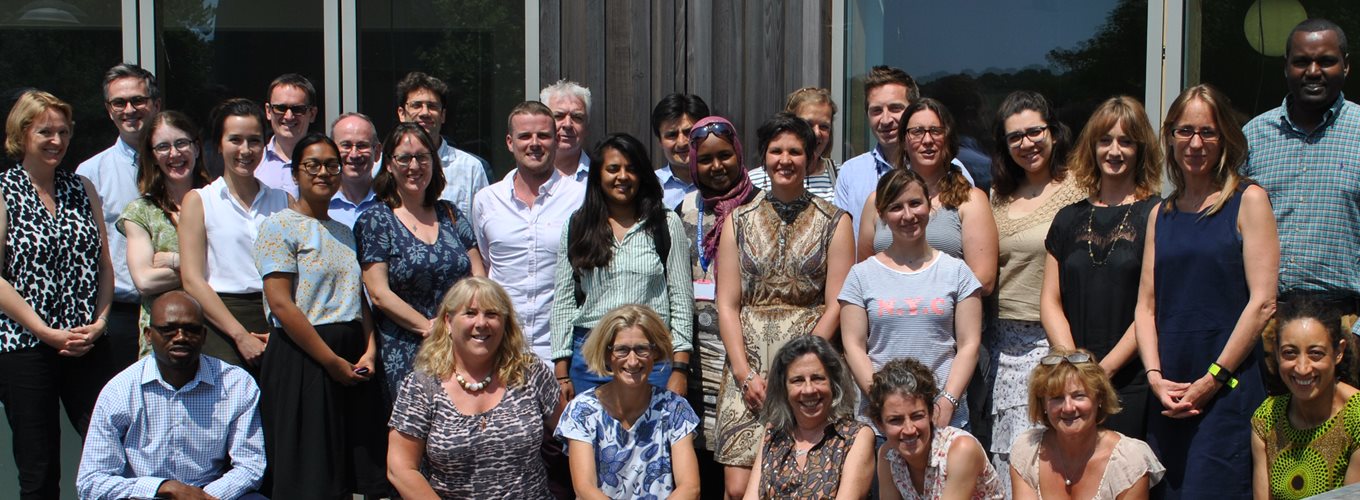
x: 132, y: 100
x: 570, y: 105
x: 672, y: 119
x: 518, y: 221
x: 422, y: 101
x: 887, y: 93
x: 357, y: 139
x: 176, y: 424
x: 1304, y: 154
x: 291, y: 109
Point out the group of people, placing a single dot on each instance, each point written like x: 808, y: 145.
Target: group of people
x: 328, y: 315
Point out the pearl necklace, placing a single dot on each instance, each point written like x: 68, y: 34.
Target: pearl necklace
x: 472, y: 386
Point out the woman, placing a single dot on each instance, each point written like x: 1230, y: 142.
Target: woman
x: 1307, y: 441
x: 911, y: 300
x: 717, y: 167
x: 322, y: 419
x: 813, y: 447
x: 628, y: 438
x: 961, y: 223
x: 1073, y: 455
x: 1095, y: 251
x: 1029, y: 186
x: 621, y: 247
x: 924, y: 460
x: 217, y: 230
x: 1207, y: 289
x: 412, y: 247
x: 814, y: 106
x: 57, y: 287
x: 786, y: 254
x: 476, y: 407
x: 167, y: 169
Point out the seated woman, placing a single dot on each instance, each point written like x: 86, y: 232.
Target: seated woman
x: 470, y: 419
x: 1073, y: 456
x: 813, y: 446
x: 628, y: 438
x: 921, y: 459
x: 1305, y: 442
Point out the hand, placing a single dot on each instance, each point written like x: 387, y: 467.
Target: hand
x: 165, y: 260
x: 93, y: 330
x: 944, y: 412
x: 66, y: 342
x: 367, y: 361
x: 428, y: 329
x: 679, y: 383
x: 251, y: 345
x: 754, y: 393
x: 568, y: 391
x: 1170, y: 394
x: 1200, y: 393
x: 343, y: 372
x: 176, y: 490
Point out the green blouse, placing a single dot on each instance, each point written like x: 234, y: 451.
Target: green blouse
x: 164, y: 238
x: 1306, y: 462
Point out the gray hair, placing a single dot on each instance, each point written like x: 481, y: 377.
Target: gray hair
x: 567, y: 88
x: 129, y: 70
x: 354, y: 114
x: 777, y: 412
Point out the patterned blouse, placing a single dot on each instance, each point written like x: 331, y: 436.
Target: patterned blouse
x: 1306, y: 462
x: 820, y: 476
x: 328, y: 286
x: 988, y: 485
x: 164, y: 238
x: 494, y: 454
x: 633, y: 462
x: 51, y: 258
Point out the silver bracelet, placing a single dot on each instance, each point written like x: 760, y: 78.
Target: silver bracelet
x: 751, y: 375
x: 950, y: 397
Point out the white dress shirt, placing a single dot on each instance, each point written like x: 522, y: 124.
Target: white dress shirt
x: 114, y: 175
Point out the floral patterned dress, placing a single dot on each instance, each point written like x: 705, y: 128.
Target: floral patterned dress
x: 633, y: 462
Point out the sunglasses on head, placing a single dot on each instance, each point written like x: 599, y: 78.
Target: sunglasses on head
x: 719, y: 128
x: 1074, y: 358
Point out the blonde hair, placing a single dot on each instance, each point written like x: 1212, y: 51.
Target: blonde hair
x: 1128, y: 113
x: 26, y: 109
x: 1047, y: 381
x: 1232, y: 144
x: 597, y: 347
x: 512, y: 358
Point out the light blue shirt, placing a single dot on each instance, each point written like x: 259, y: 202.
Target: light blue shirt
x: 859, y: 177
x: 114, y: 175
x: 144, y: 432
x: 276, y: 172
x: 345, y: 211
x: 328, y: 286
x: 674, y: 188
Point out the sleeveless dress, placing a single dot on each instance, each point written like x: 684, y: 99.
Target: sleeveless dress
x: 936, y: 473
x: 783, y: 279
x: 944, y: 232
x: 1201, y: 289
x: 1306, y: 462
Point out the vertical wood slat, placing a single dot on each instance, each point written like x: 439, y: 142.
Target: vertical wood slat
x: 549, y: 41
x: 699, y: 56
x: 628, y: 69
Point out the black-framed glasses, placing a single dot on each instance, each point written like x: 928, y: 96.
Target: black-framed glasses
x: 283, y: 109
x: 190, y: 329
x: 315, y: 167
x: 642, y: 351
x: 433, y: 106
x: 182, y: 145
x: 1205, y: 134
x: 137, y: 102
x: 918, y: 133
x: 1075, y: 358
x: 720, y: 128
x: 424, y: 159
x: 1034, y: 134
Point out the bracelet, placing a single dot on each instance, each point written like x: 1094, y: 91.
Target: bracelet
x: 1222, y: 375
x: 950, y: 397
x: 1150, y: 370
x: 749, y: 376
x: 564, y: 379
x: 680, y: 366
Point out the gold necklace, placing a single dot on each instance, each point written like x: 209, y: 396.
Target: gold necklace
x: 1114, y: 235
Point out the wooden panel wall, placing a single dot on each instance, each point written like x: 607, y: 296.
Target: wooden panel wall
x: 741, y: 56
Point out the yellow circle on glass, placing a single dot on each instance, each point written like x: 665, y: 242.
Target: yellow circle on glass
x: 1269, y: 22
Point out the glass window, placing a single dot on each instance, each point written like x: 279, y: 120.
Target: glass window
x: 475, y: 46
x: 1230, y: 45
x: 63, y: 48
x: 970, y: 55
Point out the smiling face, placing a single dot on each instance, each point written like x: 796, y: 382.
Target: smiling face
x: 322, y: 185
x: 717, y: 167
x: 130, y: 118
x: 289, y: 124
x: 425, y: 108
x: 1315, y: 68
x: 885, y: 106
x: 1030, y: 154
x: 242, y: 145
x: 786, y: 161
x: 477, y: 333
x: 618, y: 179
x: 1072, y: 411
x: 411, y: 166
x: 631, y: 370
x: 1116, y: 153
x: 1307, y: 359
x: 818, y: 115
x: 809, y: 390
x: 46, y: 139
x: 905, y: 423
x: 569, y: 112
x: 675, y: 140
x: 175, y: 163
x: 927, y: 152
x: 532, y: 141
x: 909, y: 214
x: 1195, y: 156
x: 358, y: 143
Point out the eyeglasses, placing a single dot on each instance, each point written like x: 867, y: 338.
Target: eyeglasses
x: 1205, y: 134
x: 433, y: 106
x: 361, y: 147
x: 137, y: 102
x: 1035, y: 134
x: 283, y: 109
x: 1075, y: 358
x: 720, y: 128
x: 424, y: 159
x: 642, y: 351
x: 182, y: 145
x: 314, y: 167
x: 191, y: 329
x: 918, y: 133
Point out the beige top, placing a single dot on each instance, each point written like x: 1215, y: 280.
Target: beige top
x: 1130, y: 460
x: 1020, y: 275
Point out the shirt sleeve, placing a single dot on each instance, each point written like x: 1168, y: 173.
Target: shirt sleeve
x: 680, y: 286
x: 245, y: 444
x: 579, y: 419
x: 372, y: 237
x: 462, y: 228
x: 852, y: 291
x: 682, y: 419
x: 967, y: 281
x: 546, y: 388
x: 412, y: 409
x: 564, y: 308
x: 102, y: 462
x: 274, y: 250
x: 477, y: 217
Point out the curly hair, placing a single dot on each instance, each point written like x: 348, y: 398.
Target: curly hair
x: 512, y: 358
x: 954, y: 187
x: 903, y: 377
x: 1306, y: 306
x: 1006, y: 173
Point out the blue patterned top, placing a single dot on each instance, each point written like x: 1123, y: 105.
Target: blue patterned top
x: 327, y: 286
x: 630, y: 463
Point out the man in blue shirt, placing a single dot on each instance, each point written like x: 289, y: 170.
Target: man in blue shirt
x: 357, y: 139
x: 176, y: 424
x: 291, y: 109
x: 672, y: 119
x: 421, y: 99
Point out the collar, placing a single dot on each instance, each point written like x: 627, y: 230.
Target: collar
x: 125, y: 149
x: 340, y: 195
x: 224, y: 192
x: 1328, y: 116
x: 667, y: 176
x: 151, y: 372
x: 548, y: 187
x: 446, y: 150
x: 881, y: 165
x: 582, y: 166
x: 271, y: 151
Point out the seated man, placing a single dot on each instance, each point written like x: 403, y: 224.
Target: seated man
x: 176, y: 424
